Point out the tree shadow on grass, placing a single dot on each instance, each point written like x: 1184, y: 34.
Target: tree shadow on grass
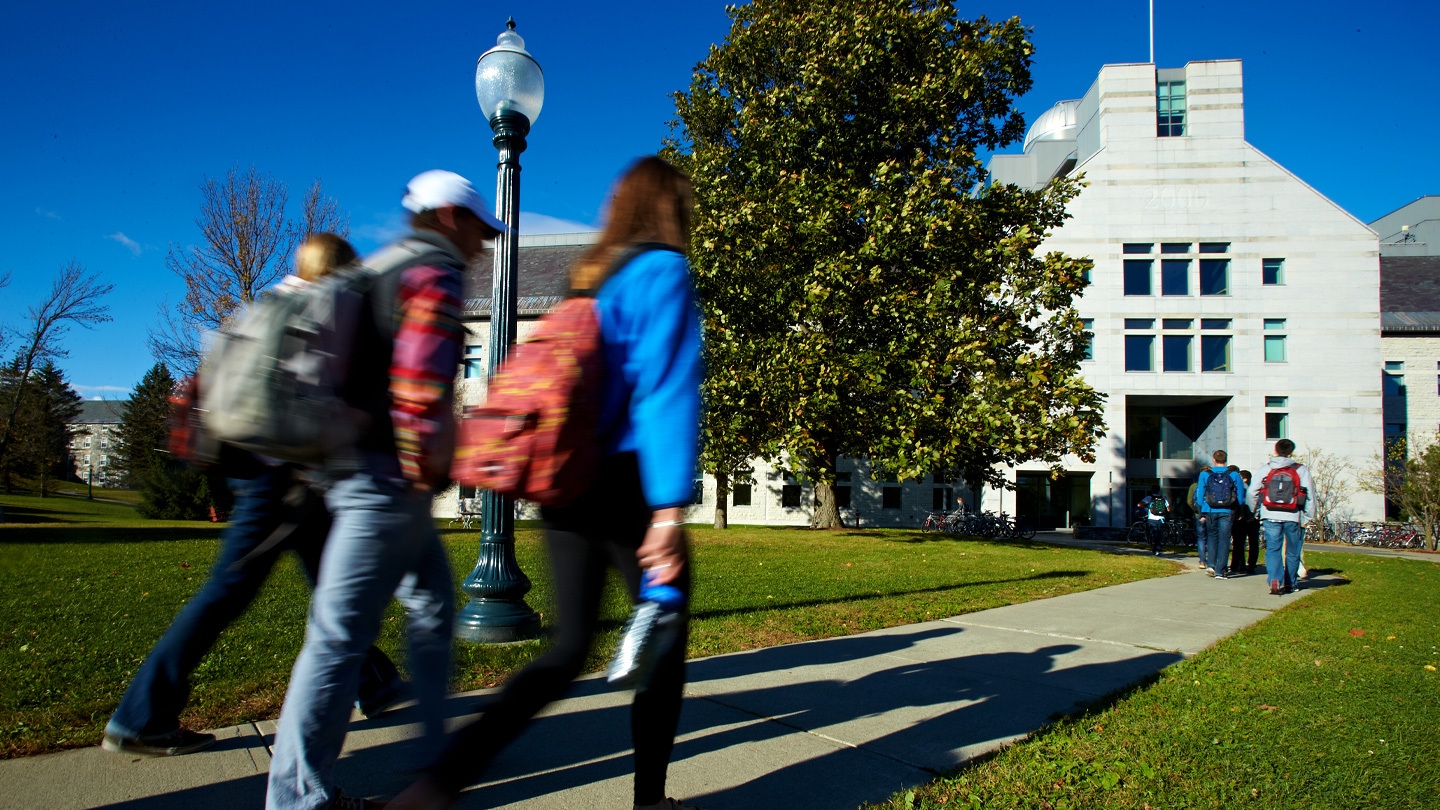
x: 49, y: 534
x: 862, y: 597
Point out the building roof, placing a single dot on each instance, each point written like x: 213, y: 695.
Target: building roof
x: 1410, y: 284
x: 544, y: 275
x: 101, y: 411
x: 1410, y: 322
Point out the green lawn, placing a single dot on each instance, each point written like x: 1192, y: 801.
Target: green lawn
x: 1333, y: 702
x: 90, y: 588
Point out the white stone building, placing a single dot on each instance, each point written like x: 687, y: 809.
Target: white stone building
x: 1231, y: 304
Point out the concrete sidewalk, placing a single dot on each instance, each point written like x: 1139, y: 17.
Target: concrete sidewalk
x: 825, y: 724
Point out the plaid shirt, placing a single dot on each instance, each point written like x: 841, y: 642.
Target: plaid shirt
x: 428, y: 343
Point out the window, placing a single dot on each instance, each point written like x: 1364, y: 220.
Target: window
x: 1088, y: 324
x: 890, y: 498
x: 1214, y: 352
x: 740, y: 495
x: 1176, y: 350
x: 1276, y: 402
x: 1214, y: 276
x: 1272, y: 272
x: 697, y: 491
x: 1214, y: 247
x: 1085, y: 274
x: 1394, y: 365
x: 842, y: 490
x: 790, y: 496
x: 1274, y: 344
x: 1175, y: 247
x: 1394, y: 384
x: 474, y: 362
x: 1169, y: 109
x: 1137, y: 247
x: 1277, y: 425
x: 1178, y: 323
x: 1175, y: 277
x: 1137, y: 276
x: 1139, y: 323
x: 941, y: 498
x: 1160, y: 433
x: 1139, y: 352
x: 1214, y: 323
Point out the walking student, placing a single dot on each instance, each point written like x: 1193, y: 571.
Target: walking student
x: 383, y: 542
x: 1219, y: 490
x: 267, y: 497
x: 630, y: 516
x: 1281, y: 497
x: 1156, y: 510
x: 1246, y: 532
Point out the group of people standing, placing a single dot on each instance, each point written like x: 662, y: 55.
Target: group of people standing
x: 363, y: 527
x: 1233, y: 508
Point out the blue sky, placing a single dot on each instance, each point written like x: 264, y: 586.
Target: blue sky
x: 116, y: 111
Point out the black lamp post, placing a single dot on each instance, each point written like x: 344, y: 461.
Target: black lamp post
x: 511, y: 89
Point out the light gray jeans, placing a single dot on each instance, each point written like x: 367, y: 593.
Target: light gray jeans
x: 383, y: 542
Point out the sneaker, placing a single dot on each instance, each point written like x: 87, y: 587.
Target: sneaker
x: 387, y: 699
x: 668, y: 804
x: 1209, y: 572
x: 180, y: 741
x: 1221, y: 576
x: 1274, y: 589
x: 343, y: 802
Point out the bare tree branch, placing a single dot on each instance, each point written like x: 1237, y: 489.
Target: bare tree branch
x: 321, y: 214
x: 74, y: 299
x: 247, y: 244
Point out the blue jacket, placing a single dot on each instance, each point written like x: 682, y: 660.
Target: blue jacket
x: 650, y: 328
x: 1205, y: 478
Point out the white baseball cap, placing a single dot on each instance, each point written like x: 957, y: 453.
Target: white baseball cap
x: 438, y: 188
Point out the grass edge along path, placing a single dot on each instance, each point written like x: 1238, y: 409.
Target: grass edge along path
x: 88, y: 599
x: 1329, y: 702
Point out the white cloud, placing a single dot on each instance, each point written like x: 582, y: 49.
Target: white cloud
x: 130, y: 244
x: 96, y: 391
x: 533, y: 223
x: 47, y: 213
x: 381, y: 230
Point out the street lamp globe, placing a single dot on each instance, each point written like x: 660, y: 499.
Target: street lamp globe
x: 508, y: 79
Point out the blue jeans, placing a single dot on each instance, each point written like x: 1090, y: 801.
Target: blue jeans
x: 154, y: 700
x: 1217, y: 539
x: 1200, y: 538
x: 1283, y: 541
x: 383, y: 542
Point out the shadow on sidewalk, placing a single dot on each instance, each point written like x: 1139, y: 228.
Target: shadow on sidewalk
x: 911, y: 708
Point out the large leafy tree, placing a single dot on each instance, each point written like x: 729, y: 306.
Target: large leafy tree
x: 892, y: 304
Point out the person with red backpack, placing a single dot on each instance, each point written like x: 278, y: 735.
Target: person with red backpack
x: 1280, y: 495
x: 629, y: 516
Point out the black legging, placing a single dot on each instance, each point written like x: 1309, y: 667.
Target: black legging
x: 602, y: 528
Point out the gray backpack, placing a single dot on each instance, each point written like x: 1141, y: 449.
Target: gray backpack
x: 272, y: 383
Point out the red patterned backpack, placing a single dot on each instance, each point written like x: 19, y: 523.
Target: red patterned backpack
x: 534, y: 438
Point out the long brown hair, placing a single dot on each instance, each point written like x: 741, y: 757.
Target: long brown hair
x: 321, y: 254
x: 652, y: 203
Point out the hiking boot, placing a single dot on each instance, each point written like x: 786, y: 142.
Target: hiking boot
x: 387, y: 699
x: 668, y: 804
x: 180, y: 741
x: 343, y: 802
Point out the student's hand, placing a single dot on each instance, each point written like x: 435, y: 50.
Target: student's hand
x: 664, y: 551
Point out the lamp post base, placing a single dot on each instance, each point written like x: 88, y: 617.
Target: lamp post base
x: 496, y: 612
x: 494, y: 621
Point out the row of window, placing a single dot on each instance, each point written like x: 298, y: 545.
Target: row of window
x: 942, y: 498
x: 1394, y: 378
x: 1176, y: 279
x: 1177, y: 351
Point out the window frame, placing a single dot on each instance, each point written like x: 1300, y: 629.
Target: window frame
x: 1227, y: 342
x: 1207, y: 268
x: 1166, y: 342
x: 1131, y: 276
x: 1278, y: 265
x: 1149, y: 349
x: 1168, y: 276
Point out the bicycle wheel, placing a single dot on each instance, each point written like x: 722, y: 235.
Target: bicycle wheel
x: 1139, y: 533
x: 1023, y: 530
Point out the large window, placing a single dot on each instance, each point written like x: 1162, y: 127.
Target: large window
x: 1137, y: 276
x: 1215, y: 353
x: 1214, y: 276
x: 842, y: 490
x: 1160, y: 433
x: 1088, y: 324
x: 1175, y: 277
x: 1272, y: 272
x: 1277, y: 425
x: 890, y: 498
x: 1169, y: 109
x: 1177, y: 352
x: 740, y: 495
x: 1139, y: 352
x: 1274, y: 344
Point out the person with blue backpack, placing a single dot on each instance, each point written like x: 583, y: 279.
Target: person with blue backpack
x: 1219, y: 490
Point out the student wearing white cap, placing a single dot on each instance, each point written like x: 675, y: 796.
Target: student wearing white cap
x: 383, y: 541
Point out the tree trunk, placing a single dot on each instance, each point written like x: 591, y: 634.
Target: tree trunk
x: 827, y: 512
x: 722, y: 501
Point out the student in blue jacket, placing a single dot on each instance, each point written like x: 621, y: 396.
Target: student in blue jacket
x: 1220, y: 491
x: 631, y: 516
